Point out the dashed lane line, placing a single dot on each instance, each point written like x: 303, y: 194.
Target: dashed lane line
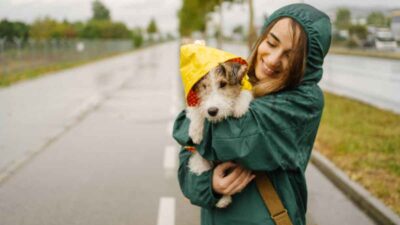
x: 166, y: 211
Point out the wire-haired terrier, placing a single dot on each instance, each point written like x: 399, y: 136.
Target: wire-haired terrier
x: 220, y: 95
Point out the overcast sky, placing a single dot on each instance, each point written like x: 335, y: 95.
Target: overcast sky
x: 139, y: 12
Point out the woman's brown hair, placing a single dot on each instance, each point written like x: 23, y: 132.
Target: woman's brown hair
x: 297, y: 63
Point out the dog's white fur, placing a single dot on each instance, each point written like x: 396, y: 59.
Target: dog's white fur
x: 232, y: 101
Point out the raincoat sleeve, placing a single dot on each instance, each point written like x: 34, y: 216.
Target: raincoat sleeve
x: 198, y: 189
x: 278, y: 131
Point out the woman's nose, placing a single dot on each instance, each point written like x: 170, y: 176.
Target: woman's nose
x: 274, y: 59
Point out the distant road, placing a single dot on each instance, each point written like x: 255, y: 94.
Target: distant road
x: 372, y: 80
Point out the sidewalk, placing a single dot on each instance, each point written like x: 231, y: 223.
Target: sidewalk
x: 327, y: 205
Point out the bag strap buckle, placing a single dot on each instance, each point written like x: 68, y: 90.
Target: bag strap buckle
x: 281, y: 218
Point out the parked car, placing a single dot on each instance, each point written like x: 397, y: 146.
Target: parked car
x: 384, y: 40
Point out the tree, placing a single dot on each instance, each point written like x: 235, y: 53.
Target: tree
x: 105, y: 29
x: 343, y: 18
x: 137, y: 37
x: 44, y: 28
x: 100, y: 11
x: 377, y: 19
x: 11, y: 30
x: 193, y: 16
x: 252, y: 31
x: 359, y: 31
x: 152, y: 28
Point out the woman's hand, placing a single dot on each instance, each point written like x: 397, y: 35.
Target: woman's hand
x: 232, y: 183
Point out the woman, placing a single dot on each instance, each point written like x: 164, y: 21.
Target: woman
x: 276, y: 136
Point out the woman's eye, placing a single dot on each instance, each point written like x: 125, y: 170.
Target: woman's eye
x: 222, y: 84
x: 203, y: 86
x: 271, y: 44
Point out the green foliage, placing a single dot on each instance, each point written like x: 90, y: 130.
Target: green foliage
x: 47, y: 28
x: 152, y: 27
x: 377, y: 19
x: 99, y: 26
x: 137, y: 37
x: 343, y: 18
x: 100, y: 11
x: 44, y: 28
x: 365, y: 142
x: 10, y: 30
x: 360, y: 31
x: 193, y: 15
x: 105, y: 29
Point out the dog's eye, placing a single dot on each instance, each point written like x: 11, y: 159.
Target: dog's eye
x: 222, y: 84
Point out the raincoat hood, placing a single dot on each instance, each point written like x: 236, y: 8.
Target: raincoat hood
x: 197, y: 60
x: 317, y: 27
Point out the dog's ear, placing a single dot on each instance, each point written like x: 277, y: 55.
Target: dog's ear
x: 237, y: 73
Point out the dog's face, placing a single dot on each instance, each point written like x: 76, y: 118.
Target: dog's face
x: 219, y: 89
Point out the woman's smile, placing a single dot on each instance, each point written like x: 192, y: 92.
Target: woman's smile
x: 268, y: 72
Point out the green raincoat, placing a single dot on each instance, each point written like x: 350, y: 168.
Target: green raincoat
x: 276, y: 135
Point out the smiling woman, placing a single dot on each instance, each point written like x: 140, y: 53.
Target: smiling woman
x: 275, y: 137
x: 282, y: 44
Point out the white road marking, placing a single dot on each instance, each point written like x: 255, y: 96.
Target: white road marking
x: 166, y: 211
x: 170, y: 154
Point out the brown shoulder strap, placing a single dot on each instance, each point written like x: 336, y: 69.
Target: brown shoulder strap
x: 271, y: 199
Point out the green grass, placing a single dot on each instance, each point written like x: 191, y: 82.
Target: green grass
x: 9, y: 79
x: 364, y: 141
x: 6, y: 80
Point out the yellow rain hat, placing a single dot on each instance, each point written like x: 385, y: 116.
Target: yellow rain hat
x: 197, y: 60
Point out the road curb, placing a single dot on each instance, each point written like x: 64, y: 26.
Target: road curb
x: 358, y: 194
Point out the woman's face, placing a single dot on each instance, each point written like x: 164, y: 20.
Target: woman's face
x: 273, y: 52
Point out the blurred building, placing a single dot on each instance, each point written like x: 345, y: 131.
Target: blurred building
x: 395, y: 25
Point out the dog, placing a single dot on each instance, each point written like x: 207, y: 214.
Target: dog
x: 220, y: 95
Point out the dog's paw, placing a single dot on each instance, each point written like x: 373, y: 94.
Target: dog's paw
x: 198, y: 164
x: 224, y: 201
x: 242, y: 104
x: 239, y: 111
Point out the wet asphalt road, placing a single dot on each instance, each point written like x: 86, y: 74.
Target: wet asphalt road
x: 92, y: 145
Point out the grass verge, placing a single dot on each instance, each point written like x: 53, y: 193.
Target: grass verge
x: 6, y: 80
x: 363, y: 52
x: 363, y: 141
x: 9, y: 79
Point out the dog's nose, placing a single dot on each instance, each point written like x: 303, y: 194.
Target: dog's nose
x: 213, y: 111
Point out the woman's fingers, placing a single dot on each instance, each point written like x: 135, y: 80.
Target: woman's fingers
x: 232, y: 183
x: 219, y: 181
x: 243, y: 184
x: 239, y: 183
